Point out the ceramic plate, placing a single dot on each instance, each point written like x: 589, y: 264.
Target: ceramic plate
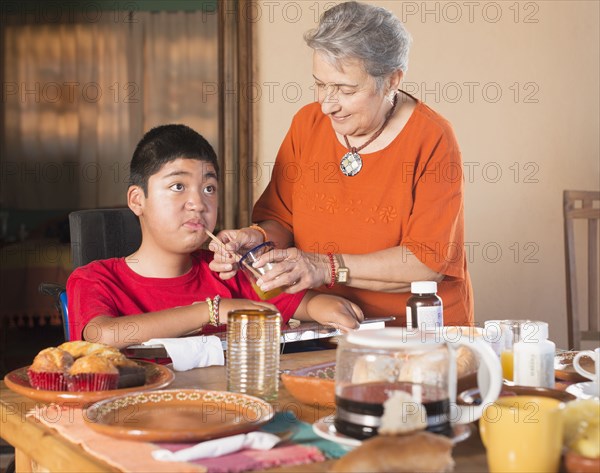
x: 313, y: 385
x: 563, y: 366
x: 324, y: 428
x: 178, y: 415
x: 587, y: 390
x: 157, y: 376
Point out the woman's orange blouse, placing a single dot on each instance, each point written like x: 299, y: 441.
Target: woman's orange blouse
x: 410, y: 193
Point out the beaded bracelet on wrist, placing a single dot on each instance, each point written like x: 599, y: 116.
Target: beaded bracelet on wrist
x: 259, y: 229
x: 216, y: 301
x: 332, y: 270
x: 211, y: 312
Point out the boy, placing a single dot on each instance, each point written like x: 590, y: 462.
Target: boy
x: 165, y: 288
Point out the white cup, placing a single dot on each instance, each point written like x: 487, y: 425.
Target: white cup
x: 594, y: 355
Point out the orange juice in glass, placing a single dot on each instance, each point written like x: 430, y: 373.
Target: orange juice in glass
x: 512, y: 332
x: 262, y: 294
x: 253, y: 273
x: 507, y: 362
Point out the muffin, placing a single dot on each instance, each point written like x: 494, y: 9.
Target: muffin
x: 130, y: 373
x: 92, y: 373
x: 81, y: 348
x: 49, y: 368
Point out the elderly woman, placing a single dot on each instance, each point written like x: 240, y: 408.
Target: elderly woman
x: 366, y: 195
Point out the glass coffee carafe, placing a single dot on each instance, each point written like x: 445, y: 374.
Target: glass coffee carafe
x: 373, y: 365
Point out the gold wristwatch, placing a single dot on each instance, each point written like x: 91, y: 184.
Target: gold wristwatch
x: 341, y: 273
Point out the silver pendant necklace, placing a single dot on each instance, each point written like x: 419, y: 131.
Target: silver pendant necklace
x: 351, y: 162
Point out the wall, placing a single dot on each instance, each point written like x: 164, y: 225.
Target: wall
x: 520, y: 83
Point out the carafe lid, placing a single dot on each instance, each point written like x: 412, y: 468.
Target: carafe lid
x: 395, y: 337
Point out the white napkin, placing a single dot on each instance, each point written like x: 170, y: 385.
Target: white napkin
x: 192, y: 352
x: 218, y: 447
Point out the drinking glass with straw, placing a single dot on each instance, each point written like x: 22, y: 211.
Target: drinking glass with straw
x: 252, y: 273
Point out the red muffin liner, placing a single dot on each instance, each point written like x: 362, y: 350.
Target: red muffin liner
x: 47, y: 381
x: 92, y: 382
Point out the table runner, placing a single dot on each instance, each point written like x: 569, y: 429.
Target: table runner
x: 134, y: 456
x: 126, y: 455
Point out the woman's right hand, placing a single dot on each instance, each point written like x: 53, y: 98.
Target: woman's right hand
x: 235, y: 244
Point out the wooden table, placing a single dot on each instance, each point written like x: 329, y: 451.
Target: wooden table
x: 37, y: 444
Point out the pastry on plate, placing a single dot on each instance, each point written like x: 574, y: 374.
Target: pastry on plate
x: 49, y: 368
x: 81, y: 348
x: 130, y: 372
x: 420, y: 451
x: 92, y: 373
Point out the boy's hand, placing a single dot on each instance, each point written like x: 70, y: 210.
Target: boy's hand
x: 236, y: 244
x: 335, y: 311
x: 227, y: 305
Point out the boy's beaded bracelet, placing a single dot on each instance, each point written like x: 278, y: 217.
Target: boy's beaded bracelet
x: 259, y: 229
x: 216, y: 301
x: 211, y: 312
x: 332, y: 269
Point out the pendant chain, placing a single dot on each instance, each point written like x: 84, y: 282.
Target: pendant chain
x: 377, y: 133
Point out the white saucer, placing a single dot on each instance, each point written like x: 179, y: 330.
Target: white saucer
x: 324, y: 428
x: 587, y: 390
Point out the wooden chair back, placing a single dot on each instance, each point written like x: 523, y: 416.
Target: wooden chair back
x: 582, y: 205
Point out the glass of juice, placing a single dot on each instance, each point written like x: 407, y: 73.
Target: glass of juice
x: 253, y: 273
x: 507, y: 361
x: 500, y: 335
x: 511, y: 332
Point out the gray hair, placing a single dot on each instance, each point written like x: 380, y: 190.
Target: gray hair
x: 371, y: 34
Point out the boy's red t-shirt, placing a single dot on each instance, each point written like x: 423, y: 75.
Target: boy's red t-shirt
x: 109, y: 287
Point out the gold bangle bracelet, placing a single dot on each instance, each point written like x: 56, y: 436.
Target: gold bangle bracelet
x: 262, y: 231
x: 212, y: 320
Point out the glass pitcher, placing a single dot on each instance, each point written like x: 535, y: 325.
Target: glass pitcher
x: 372, y: 365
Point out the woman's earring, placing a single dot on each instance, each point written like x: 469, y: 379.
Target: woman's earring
x: 392, y: 97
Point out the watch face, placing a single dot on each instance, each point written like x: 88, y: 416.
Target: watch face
x: 342, y: 275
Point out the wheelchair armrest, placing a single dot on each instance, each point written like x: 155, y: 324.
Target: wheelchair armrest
x: 59, y: 294
x: 51, y: 289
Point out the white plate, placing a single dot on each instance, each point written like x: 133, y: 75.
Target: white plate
x: 324, y: 428
x: 588, y: 390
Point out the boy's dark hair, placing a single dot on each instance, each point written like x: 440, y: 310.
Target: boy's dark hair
x: 164, y: 144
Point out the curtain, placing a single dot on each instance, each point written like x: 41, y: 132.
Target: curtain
x: 79, y: 94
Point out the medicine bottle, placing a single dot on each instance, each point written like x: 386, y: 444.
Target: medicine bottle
x: 424, y: 308
x: 534, y: 356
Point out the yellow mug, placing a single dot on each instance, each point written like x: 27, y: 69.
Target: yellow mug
x: 522, y: 434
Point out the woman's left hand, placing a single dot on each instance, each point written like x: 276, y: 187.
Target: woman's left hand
x: 294, y: 269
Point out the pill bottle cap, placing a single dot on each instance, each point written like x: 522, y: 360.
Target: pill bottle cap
x: 423, y: 287
x: 534, y: 331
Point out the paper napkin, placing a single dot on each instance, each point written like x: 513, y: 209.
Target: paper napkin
x: 219, y: 447
x: 192, y: 352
